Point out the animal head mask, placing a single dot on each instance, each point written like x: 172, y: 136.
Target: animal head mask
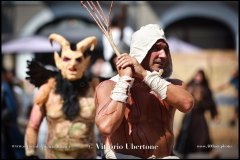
x: 72, y: 63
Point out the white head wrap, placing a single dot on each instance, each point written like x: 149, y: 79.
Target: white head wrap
x: 143, y: 40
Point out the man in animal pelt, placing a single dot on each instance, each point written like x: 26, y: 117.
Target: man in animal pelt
x: 66, y: 101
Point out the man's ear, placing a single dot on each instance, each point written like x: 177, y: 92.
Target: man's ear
x: 57, y: 60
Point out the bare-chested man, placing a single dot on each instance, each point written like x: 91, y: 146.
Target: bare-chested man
x: 135, y: 109
x: 67, y: 104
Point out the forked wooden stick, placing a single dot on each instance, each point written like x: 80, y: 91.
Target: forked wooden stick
x: 102, y: 21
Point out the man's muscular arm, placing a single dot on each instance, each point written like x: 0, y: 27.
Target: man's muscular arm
x: 36, y: 117
x: 31, y: 135
x: 178, y: 97
x: 109, y: 113
x: 111, y: 108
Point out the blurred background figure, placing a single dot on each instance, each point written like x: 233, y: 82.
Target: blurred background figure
x: 194, y: 133
x: 233, y: 81
x: 11, y: 138
x: 121, y: 34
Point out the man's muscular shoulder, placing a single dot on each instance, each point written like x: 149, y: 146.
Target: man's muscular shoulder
x: 176, y: 82
x: 105, y: 85
x: 103, y: 91
x: 44, y: 91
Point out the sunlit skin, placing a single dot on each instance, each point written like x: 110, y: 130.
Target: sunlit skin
x: 153, y: 62
x: 156, y: 60
x: 145, y: 119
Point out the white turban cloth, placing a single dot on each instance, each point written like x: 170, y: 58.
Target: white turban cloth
x: 143, y: 40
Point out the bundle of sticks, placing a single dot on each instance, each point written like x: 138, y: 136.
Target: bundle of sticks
x: 96, y: 12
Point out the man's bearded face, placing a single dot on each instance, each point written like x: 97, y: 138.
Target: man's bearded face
x: 73, y: 65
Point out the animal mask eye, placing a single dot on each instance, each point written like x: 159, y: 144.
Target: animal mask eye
x: 79, y: 59
x: 65, y: 59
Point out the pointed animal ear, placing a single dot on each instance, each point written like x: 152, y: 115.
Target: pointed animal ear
x: 57, y: 60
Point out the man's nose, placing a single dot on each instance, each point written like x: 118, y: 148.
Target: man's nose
x: 73, y: 62
x: 162, y: 54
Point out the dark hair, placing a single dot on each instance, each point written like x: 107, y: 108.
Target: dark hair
x: 70, y: 92
x: 204, y: 81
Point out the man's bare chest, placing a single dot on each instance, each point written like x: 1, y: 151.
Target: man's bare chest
x: 54, y: 107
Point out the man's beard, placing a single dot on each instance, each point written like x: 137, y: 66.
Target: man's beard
x: 70, y: 92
